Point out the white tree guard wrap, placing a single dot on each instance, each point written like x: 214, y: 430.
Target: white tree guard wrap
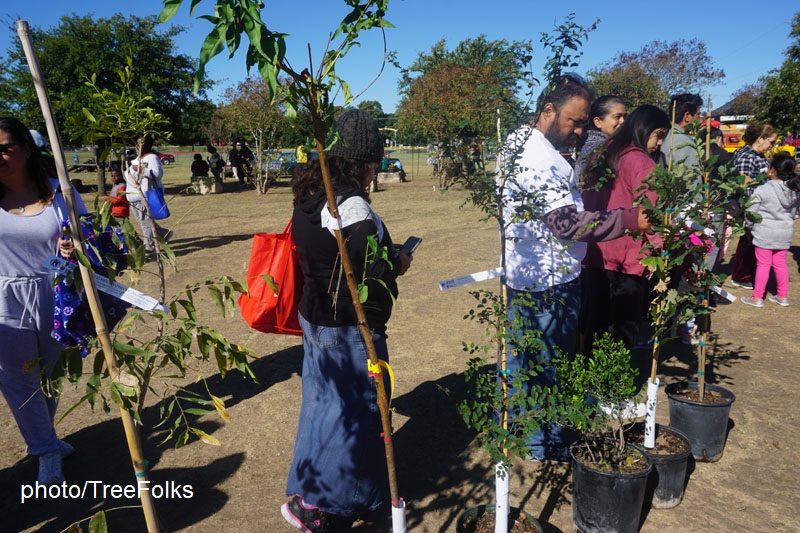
x: 501, y: 484
x: 650, y: 415
x: 399, y: 517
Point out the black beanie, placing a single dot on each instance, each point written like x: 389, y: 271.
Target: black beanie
x: 359, y: 137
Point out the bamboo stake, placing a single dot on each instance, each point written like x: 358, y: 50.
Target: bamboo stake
x: 131, y: 433
x: 701, y: 358
x: 667, y: 222
x: 366, y: 334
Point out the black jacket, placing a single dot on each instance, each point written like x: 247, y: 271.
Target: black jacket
x: 326, y: 299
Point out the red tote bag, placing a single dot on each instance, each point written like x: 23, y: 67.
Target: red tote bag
x: 265, y: 308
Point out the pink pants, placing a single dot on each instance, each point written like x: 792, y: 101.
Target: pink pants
x: 775, y: 259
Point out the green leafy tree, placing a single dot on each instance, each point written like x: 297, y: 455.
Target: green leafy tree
x: 657, y: 71
x: 251, y: 107
x: 452, y: 97
x: 374, y: 108
x: 81, y: 47
x: 777, y: 103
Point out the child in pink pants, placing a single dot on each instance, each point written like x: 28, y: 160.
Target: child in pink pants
x: 777, y: 202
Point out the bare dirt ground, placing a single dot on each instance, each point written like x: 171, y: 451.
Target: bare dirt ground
x: 239, y: 486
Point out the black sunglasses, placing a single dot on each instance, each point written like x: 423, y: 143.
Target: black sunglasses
x: 4, y: 147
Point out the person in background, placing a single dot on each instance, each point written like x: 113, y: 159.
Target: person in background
x: 679, y: 146
x: 339, y: 470
x: 544, y: 251
x: 300, y: 155
x: 120, y: 208
x: 215, y: 163
x: 199, y: 168
x: 241, y: 158
x: 145, y: 172
x: 615, y: 283
x: 749, y: 161
x: 605, y: 116
x: 32, y: 228
x: 777, y: 202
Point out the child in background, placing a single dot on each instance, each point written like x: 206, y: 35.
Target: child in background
x: 777, y: 202
x: 120, y: 207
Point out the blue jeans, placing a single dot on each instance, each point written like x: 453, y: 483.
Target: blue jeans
x: 554, y: 312
x: 339, y: 462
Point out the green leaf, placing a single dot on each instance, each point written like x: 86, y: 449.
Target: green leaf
x: 98, y: 524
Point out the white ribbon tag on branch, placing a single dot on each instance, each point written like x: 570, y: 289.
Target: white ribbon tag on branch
x: 470, y: 278
x: 128, y: 294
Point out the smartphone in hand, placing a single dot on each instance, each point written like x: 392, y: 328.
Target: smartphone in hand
x: 411, y: 244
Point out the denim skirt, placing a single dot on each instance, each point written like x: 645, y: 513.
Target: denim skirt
x: 339, y: 462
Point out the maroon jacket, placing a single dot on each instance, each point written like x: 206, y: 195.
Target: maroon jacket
x: 623, y: 254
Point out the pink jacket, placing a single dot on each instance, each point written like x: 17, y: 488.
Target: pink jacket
x: 623, y: 254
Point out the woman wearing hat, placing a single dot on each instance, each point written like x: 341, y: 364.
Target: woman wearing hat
x: 339, y: 466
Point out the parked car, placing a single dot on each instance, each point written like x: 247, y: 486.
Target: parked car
x: 732, y: 141
x: 284, y: 161
x: 785, y: 145
x: 166, y: 159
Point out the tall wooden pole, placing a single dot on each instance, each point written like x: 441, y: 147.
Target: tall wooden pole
x: 366, y: 333
x: 131, y: 433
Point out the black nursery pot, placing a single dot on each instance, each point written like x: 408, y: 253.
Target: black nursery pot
x: 668, y: 478
x: 467, y: 520
x: 604, y: 502
x: 705, y: 423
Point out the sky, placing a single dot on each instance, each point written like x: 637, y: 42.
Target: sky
x: 742, y: 40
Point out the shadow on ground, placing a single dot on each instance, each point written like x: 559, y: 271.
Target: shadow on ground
x: 103, y: 455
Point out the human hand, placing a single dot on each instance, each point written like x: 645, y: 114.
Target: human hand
x: 644, y: 222
x: 405, y: 262
x: 65, y: 245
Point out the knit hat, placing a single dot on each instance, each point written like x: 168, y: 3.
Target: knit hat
x: 359, y: 137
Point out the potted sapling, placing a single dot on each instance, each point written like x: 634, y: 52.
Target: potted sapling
x: 609, y: 475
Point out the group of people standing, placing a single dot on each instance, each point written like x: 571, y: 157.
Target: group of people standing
x: 574, y: 267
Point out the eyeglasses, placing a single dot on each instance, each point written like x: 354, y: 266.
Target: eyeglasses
x: 4, y: 147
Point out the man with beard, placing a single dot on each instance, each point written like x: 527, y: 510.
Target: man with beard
x: 546, y: 231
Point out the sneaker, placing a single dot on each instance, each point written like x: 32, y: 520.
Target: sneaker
x: 783, y: 302
x: 690, y: 339
x: 65, y: 449
x: 742, y: 285
x: 50, y: 468
x: 755, y: 302
x: 305, y: 517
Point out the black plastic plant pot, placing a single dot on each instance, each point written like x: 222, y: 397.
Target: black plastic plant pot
x: 668, y: 478
x: 468, y: 519
x: 705, y: 423
x: 604, y: 502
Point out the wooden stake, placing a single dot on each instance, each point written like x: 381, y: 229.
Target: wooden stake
x: 131, y: 433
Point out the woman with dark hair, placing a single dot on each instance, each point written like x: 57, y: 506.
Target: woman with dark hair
x: 615, y: 286
x: 605, y: 116
x: 749, y: 161
x: 32, y: 218
x: 339, y: 467
x: 145, y: 173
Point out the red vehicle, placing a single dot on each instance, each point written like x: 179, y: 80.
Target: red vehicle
x: 166, y: 159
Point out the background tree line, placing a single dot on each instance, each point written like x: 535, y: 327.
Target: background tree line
x: 452, y: 94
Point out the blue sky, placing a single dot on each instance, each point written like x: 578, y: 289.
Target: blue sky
x: 743, y: 40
